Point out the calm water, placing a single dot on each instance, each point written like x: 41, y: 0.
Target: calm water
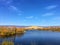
x: 35, y: 38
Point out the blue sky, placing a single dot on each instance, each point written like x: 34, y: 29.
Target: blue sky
x: 30, y: 12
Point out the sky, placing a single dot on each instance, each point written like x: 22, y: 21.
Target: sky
x: 30, y: 12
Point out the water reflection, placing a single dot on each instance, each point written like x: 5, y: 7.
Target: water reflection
x: 9, y: 40
x: 34, y: 38
x: 7, y: 43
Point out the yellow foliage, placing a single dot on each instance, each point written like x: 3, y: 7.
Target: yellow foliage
x: 1, y: 33
x: 7, y: 43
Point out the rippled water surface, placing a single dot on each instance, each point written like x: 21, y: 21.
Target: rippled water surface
x: 35, y: 37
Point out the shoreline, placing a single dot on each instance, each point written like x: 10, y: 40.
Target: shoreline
x: 10, y: 31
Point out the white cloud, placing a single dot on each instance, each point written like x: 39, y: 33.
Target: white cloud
x: 25, y: 20
x: 48, y: 14
x: 6, y: 1
x: 51, y: 7
x: 56, y: 18
x: 19, y: 14
x: 30, y: 17
x: 8, y: 4
x: 13, y: 7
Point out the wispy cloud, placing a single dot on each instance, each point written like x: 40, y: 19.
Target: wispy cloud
x: 51, y: 7
x: 8, y: 4
x: 48, y: 14
x: 19, y: 14
x: 14, y: 8
x: 29, y: 17
x: 24, y: 20
x: 6, y: 1
x: 56, y: 18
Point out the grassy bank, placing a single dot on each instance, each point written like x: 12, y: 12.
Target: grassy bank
x: 10, y: 31
x: 4, y: 32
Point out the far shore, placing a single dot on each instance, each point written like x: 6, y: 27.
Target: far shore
x: 10, y: 31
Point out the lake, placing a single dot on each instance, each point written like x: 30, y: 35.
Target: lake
x: 35, y: 37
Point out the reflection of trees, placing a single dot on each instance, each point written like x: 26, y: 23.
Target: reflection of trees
x: 6, y: 40
x: 7, y: 43
x: 9, y: 39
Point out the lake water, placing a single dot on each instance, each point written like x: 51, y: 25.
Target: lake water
x: 35, y: 37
